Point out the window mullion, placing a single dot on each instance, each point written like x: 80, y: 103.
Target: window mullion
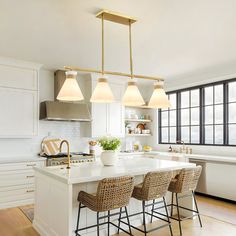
x: 226, y: 113
x: 202, y: 116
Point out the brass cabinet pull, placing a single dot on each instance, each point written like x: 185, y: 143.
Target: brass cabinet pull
x: 29, y: 191
x: 30, y: 176
x: 31, y: 164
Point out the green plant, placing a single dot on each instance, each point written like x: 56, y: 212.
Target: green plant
x: 109, y: 143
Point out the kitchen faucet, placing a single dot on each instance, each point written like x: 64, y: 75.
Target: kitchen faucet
x: 181, y: 142
x: 68, y: 152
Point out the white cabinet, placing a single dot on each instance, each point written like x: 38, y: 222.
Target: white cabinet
x: 108, y: 119
x: 18, y: 98
x: 17, y: 183
x: 19, y: 115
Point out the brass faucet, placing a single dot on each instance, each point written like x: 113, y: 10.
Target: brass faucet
x: 181, y: 142
x: 68, y: 152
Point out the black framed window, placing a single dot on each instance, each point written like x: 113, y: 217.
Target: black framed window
x: 169, y: 121
x: 204, y: 115
x: 231, y: 113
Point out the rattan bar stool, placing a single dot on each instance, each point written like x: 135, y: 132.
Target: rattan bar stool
x: 154, y: 186
x: 112, y: 193
x: 183, y: 183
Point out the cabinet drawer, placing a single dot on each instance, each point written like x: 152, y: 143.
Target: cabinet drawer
x: 17, y: 194
x: 20, y: 166
x: 16, y: 178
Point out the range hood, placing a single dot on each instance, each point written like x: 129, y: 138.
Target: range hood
x: 64, y: 111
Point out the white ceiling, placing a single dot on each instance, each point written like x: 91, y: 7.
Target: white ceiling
x: 173, y: 39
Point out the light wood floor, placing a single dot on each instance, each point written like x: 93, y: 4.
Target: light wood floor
x: 14, y: 223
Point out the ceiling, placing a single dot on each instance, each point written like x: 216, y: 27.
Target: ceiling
x: 172, y: 39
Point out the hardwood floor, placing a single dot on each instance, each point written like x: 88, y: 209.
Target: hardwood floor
x: 14, y: 223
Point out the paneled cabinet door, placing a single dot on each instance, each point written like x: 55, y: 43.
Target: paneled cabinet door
x: 18, y: 113
x: 116, y: 119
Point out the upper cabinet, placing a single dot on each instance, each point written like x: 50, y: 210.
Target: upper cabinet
x: 18, y: 98
x: 108, y: 118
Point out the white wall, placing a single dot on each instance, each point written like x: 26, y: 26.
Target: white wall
x: 200, y: 149
x: 67, y: 130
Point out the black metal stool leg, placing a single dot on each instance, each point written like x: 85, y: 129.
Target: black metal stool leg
x: 108, y: 224
x: 126, y: 211
x: 177, y: 204
x: 153, y: 204
x: 119, y: 221
x: 77, y: 226
x: 97, y: 223
x: 195, y: 201
x: 167, y: 215
x: 172, y: 202
x: 144, y: 220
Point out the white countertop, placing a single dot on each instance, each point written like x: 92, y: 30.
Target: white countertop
x: 204, y: 157
x: 18, y: 159
x: 95, y: 171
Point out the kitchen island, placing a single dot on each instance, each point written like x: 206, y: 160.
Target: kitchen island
x: 57, y: 189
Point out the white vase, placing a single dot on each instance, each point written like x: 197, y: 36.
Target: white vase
x: 109, y: 157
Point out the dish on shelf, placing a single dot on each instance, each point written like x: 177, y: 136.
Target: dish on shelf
x: 141, y: 126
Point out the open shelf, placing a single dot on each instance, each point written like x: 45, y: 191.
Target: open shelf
x: 139, y: 120
x: 143, y: 107
x: 138, y: 135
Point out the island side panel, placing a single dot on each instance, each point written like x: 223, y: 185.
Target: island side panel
x: 53, y: 206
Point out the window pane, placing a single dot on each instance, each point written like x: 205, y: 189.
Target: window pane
x: 208, y: 95
x: 219, y: 114
x: 184, y: 116
x: 185, y: 99
x: 219, y: 93
x: 195, y: 134
x: 209, y: 134
x: 232, y: 113
x: 195, y: 98
x: 185, y: 134
x: 164, y: 118
x: 232, y: 92
x: 232, y: 134
x: 172, y: 98
x: 173, y: 134
x: 209, y: 115
x: 173, y: 118
x: 195, y: 116
x: 164, y: 135
x: 219, y: 135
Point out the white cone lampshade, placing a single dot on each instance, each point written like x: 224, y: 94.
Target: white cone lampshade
x: 132, y: 96
x: 102, y: 92
x: 70, y: 90
x: 159, y: 99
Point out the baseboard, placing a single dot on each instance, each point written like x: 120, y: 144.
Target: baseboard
x: 216, y: 198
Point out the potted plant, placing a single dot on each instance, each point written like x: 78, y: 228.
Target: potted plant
x: 109, y: 154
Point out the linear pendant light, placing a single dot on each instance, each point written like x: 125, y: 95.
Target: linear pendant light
x: 70, y: 90
x: 132, y: 96
x: 159, y: 99
x: 102, y: 92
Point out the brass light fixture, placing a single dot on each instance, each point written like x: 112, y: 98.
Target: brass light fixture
x: 159, y: 99
x: 70, y: 90
x: 132, y: 96
x: 102, y: 92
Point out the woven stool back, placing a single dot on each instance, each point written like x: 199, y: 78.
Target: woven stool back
x: 155, y: 184
x: 186, y: 180
x: 113, y: 193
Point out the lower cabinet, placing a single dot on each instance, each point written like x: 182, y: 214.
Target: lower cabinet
x: 17, y: 183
